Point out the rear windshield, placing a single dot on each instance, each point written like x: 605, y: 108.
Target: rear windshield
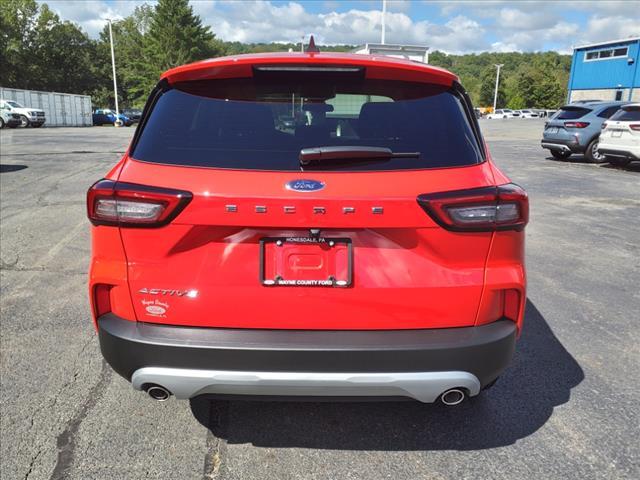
x: 263, y: 122
x: 571, y: 113
x: 627, y: 114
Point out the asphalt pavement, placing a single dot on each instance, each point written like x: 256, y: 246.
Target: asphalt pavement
x: 566, y: 408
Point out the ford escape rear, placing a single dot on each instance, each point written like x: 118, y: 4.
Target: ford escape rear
x: 311, y: 225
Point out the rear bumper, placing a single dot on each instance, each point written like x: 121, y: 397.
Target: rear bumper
x: 420, y: 364
x: 562, y: 145
x: 631, y: 154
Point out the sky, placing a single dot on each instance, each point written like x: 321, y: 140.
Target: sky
x: 450, y: 26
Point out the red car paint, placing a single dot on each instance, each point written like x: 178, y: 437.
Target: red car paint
x: 409, y: 272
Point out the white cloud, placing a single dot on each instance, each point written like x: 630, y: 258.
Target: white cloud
x: 535, y: 40
x: 516, y: 19
x: 264, y: 22
x: 92, y: 15
x: 463, y: 27
x: 610, y: 28
x: 607, y: 6
x: 458, y: 35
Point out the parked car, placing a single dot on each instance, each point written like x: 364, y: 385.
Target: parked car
x: 502, y: 113
x: 233, y: 258
x: 104, y: 116
x: 132, y: 114
x: 9, y: 119
x: 575, y: 129
x: 33, y: 117
x: 528, y: 114
x: 477, y: 112
x: 620, y: 136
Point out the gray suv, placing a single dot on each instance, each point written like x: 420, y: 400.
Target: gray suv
x: 575, y: 128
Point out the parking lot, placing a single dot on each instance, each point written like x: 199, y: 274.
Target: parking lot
x: 566, y: 408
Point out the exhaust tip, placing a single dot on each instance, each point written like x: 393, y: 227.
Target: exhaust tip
x: 158, y: 393
x: 453, y: 396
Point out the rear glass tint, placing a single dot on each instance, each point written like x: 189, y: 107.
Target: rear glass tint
x: 263, y: 122
x: 627, y: 114
x: 571, y: 113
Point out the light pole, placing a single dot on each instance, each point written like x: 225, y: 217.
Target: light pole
x: 118, y: 122
x: 384, y: 14
x: 495, y: 95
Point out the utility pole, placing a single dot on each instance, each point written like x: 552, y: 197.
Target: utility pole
x: 384, y: 15
x: 118, y: 122
x: 495, y: 95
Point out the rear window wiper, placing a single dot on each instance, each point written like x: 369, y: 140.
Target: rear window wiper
x: 320, y: 154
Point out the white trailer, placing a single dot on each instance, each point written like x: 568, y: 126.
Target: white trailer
x: 417, y: 53
x: 61, y: 109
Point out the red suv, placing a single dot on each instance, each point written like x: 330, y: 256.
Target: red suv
x: 308, y: 224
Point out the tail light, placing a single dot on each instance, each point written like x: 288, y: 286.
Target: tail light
x: 102, y: 299
x: 604, y: 126
x: 505, y: 207
x: 576, y: 124
x: 635, y: 127
x: 131, y: 205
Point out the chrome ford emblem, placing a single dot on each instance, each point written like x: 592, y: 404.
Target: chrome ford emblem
x: 304, y: 185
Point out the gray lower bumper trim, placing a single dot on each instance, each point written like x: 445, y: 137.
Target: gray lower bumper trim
x: 422, y: 386
x: 617, y: 153
x: 555, y: 146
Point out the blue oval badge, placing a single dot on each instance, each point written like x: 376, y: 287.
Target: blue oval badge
x: 304, y: 185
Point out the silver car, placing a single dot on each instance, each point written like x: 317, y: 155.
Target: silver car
x: 575, y: 128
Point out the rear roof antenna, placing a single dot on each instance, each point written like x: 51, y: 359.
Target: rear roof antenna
x: 311, y: 48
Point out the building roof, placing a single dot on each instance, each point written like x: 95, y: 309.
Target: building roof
x: 392, y: 47
x: 609, y: 42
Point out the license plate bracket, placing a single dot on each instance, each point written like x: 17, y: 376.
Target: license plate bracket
x: 306, y: 262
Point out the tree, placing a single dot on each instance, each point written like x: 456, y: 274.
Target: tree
x: 61, y: 56
x: 38, y: 50
x: 487, y: 88
x: 128, y: 36
x: 176, y: 36
x: 17, y: 23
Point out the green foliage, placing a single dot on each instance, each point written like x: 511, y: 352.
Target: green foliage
x: 40, y: 51
x: 128, y: 39
x: 537, y: 80
x: 176, y: 36
x: 237, y: 48
x: 488, y: 87
x: 17, y: 22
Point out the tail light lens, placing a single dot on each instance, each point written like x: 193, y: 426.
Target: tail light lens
x: 102, y: 299
x: 635, y: 127
x: 604, y: 126
x: 576, y: 124
x: 505, y: 207
x: 131, y: 205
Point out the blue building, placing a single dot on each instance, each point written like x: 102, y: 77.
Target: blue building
x: 606, y: 71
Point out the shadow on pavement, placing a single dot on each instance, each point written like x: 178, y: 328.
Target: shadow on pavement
x: 540, y: 378
x: 4, y: 168
x: 631, y: 167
